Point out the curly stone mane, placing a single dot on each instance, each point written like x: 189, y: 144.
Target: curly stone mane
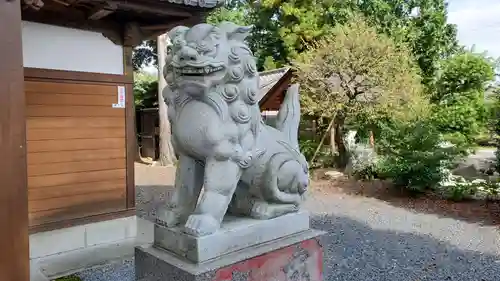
x: 226, y: 79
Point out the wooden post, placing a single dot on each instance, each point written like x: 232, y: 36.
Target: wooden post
x: 130, y: 131
x: 167, y: 153
x: 14, y: 247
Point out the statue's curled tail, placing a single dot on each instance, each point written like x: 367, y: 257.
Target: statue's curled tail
x: 289, y: 116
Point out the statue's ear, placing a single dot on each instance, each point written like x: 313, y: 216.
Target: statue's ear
x: 234, y: 31
x: 176, y: 31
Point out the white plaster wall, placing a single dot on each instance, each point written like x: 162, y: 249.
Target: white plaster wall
x: 61, y: 48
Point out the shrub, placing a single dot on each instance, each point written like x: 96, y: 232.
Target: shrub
x: 414, y: 154
x: 458, y: 188
x: 362, y: 158
x: 324, y: 157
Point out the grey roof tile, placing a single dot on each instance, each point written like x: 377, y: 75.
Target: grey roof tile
x: 267, y: 79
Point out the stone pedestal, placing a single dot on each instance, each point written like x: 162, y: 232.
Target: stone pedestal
x: 281, y: 249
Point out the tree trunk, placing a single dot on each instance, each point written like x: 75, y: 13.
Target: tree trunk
x: 343, y: 157
x: 138, y: 156
x: 314, y: 129
x: 333, y: 146
x: 321, y: 142
x: 167, y: 154
x: 372, y: 139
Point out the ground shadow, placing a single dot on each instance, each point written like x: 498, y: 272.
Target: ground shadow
x: 480, y: 211
x: 355, y: 251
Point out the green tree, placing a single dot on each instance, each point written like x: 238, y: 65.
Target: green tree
x: 421, y: 24
x: 460, y: 105
x: 145, y: 90
x: 356, y: 71
x: 283, y: 29
x: 145, y: 54
x: 233, y: 10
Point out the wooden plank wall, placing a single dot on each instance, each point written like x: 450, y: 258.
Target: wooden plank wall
x: 76, y: 143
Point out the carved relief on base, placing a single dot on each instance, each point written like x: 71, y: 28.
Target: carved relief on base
x: 299, y: 262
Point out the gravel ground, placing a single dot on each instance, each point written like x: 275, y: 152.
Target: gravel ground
x: 116, y: 271
x: 370, y: 239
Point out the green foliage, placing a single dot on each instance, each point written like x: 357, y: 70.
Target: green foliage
x: 463, y: 73
x: 460, y: 110
x: 233, y: 10
x: 307, y: 147
x: 461, y: 118
x: 284, y: 29
x: 269, y: 63
x: 421, y: 24
x: 413, y: 154
x: 145, y: 90
x: 458, y: 188
x: 323, y: 159
x: 145, y: 54
x: 367, y: 173
x: 356, y: 69
x: 363, y: 162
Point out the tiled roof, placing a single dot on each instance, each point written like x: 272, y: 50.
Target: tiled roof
x: 267, y: 79
x: 199, y: 3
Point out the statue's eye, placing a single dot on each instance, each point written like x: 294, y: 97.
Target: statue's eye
x: 202, y: 46
x: 205, y: 48
x: 178, y: 42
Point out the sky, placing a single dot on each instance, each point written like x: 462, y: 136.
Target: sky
x: 478, y: 23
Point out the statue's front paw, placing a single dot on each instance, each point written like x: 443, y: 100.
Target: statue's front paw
x: 201, y: 225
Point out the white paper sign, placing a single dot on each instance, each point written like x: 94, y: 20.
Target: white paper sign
x: 121, y: 98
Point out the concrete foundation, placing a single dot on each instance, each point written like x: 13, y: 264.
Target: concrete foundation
x: 69, y: 250
x: 294, y: 257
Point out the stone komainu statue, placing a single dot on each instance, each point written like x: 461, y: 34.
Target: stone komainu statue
x: 244, y: 166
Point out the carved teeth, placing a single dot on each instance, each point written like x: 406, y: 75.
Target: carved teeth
x: 193, y: 70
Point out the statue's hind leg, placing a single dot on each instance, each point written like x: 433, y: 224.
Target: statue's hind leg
x: 246, y: 204
x: 221, y: 178
x: 263, y: 210
x: 251, y: 206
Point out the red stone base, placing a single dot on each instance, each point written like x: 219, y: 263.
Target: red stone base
x: 299, y: 262
x: 295, y: 258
